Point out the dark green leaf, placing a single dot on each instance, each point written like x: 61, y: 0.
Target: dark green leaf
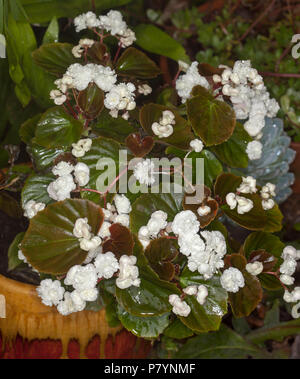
x: 56, y: 128
x: 91, y: 101
x: 233, y: 152
x: 182, y: 134
x: 178, y: 330
x: 44, y: 157
x: 27, y: 129
x: 145, y: 327
x: 49, y: 244
x: 52, y: 32
x: 35, y: 188
x: 54, y: 57
x: 206, y: 317
x: 13, y: 259
x: 136, y: 64
x: 223, y: 344
x: 212, y: 120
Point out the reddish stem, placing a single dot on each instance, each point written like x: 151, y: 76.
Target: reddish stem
x: 279, y: 75
x: 117, y: 54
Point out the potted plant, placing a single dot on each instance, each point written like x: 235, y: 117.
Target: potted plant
x: 131, y: 186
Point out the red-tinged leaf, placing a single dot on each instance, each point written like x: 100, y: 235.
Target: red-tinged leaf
x: 206, y: 69
x: 49, y: 244
x: 160, y: 254
x: 211, y: 119
x: 247, y: 298
x: 120, y: 242
x: 139, y: 146
x: 98, y: 53
x: 91, y: 101
x: 265, y: 258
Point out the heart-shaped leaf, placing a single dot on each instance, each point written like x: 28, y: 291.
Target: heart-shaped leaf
x: 247, y: 298
x: 182, y: 134
x: 206, y: 317
x: 136, y: 64
x: 160, y: 254
x: 151, y: 298
x: 211, y: 119
x: 56, y: 128
x: 54, y: 57
x: 146, y: 204
x: 91, y: 101
x: 120, y: 241
x: 139, y: 146
x: 233, y: 152
x: 35, y: 188
x: 144, y: 327
x: 49, y: 244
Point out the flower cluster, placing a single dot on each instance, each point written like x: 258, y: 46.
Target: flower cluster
x: 180, y: 307
x: 232, y: 280
x: 81, y: 147
x: 186, y: 82
x: 31, y: 208
x: 157, y: 223
x: 164, y: 128
x: 248, y: 95
x: 201, y: 292
x: 144, y: 172
x: 62, y: 187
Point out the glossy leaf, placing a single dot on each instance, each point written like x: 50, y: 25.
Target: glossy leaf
x: 154, y: 40
x: 27, y: 129
x: 13, y: 259
x: 136, y: 64
x: 206, y: 317
x: 54, y: 57
x: 160, y: 254
x: 247, y: 298
x: 144, y: 327
x: 151, y: 298
x: 211, y: 119
x: 178, y: 330
x: 116, y: 128
x: 233, y: 152
x: 146, y: 204
x: 35, y: 188
x: 182, y: 134
x: 56, y: 128
x: 91, y: 101
x: 120, y: 241
x: 49, y: 244
x: 52, y: 32
x: 139, y: 146
x: 257, y: 218
x: 44, y: 157
x: 223, y: 344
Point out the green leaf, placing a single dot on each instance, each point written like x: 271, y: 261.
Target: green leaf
x: 35, y: 188
x: 277, y: 332
x: 151, y: 298
x: 13, y: 260
x: 56, y: 128
x: 233, y: 152
x: 154, y: 40
x: 115, y: 128
x: 146, y: 204
x: 257, y: 218
x: 102, y: 148
x: 41, y: 11
x: 52, y: 32
x: 10, y: 205
x: 91, y: 101
x: 178, y: 330
x: 212, y: 120
x: 49, y: 244
x: 27, y: 129
x: 145, y: 327
x: 182, y: 134
x: 247, y: 298
x: 44, y: 157
x: 206, y: 317
x: 54, y: 57
x: 223, y: 344
x: 136, y: 64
